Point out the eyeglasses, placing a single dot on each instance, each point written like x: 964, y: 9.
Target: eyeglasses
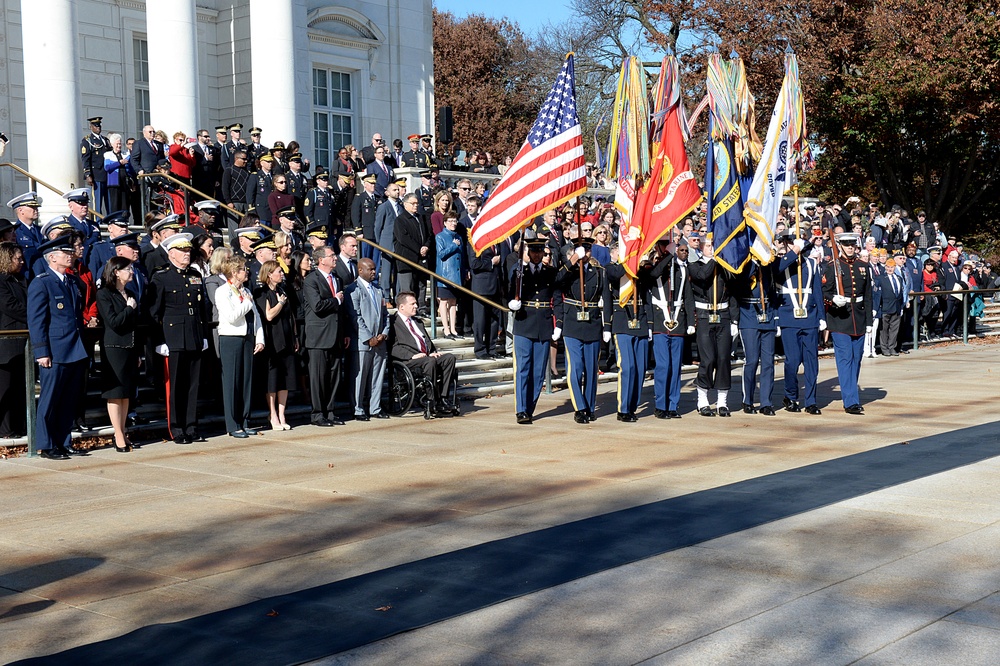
x: 202, y: 136
x: 465, y: 189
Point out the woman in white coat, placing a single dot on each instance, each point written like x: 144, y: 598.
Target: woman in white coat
x: 240, y: 337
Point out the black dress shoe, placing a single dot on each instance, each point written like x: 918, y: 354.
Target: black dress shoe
x: 766, y: 411
x: 813, y: 409
x: 197, y: 437
x: 239, y: 434
x: 73, y: 451
x: 182, y: 439
x: 335, y: 421
x: 791, y: 405
x: 250, y: 431
x: 580, y: 416
x: 854, y: 409
x: 627, y: 417
x: 380, y: 415
x: 673, y: 414
x: 659, y: 413
x: 591, y: 416
x: 706, y: 411
x: 322, y: 423
x: 53, y: 454
x: 523, y: 418
x: 723, y: 411
x: 749, y: 409
x: 362, y: 417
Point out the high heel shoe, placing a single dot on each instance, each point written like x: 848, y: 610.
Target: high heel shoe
x: 130, y: 443
x: 123, y: 449
x: 277, y: 426
x: 285, y: 426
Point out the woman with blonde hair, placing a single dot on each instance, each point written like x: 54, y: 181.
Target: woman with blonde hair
x: 240, y: 337
x: 442, y: 204
x: 280, y: 342
x: 283, y: 243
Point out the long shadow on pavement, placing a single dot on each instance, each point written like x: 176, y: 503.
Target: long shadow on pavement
x: 346, y: 614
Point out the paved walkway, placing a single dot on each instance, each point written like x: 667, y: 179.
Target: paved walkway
x: 793, y: 539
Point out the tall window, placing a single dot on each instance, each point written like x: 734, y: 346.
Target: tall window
x: 140, y: 58
x: 333, y: 113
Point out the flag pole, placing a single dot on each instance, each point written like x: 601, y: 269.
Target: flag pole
x: 798, y: 234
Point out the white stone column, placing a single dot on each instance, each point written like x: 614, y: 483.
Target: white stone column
x: 272, y: 61
x: 172, y: 32
x: 52, y: 98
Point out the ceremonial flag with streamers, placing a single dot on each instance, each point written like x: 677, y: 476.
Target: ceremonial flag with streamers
x: 548, y: 170
x: 725, y: 206
x: 670, y: 192
x: 786, y: 152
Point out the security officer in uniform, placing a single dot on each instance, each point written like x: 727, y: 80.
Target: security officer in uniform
x: 715, y: 331
x: 55, y: 323
x: 801, y: 317
x: 672, y: 304
x: 578, y: 313
x: 318, y: 205
x: 531, y: 303
x: 26, y: 233
x: 847, y: 292
x: 415, y: 158
x: 363, y: 215
x: 180, y: 309
x: 631, y: 327
x: 298, y: 184
x: 259, y: 187
x: 92, y: 150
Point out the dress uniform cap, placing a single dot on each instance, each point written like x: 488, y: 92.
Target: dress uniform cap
x: 278, y: 145
x: 935, y: 248
x: 370, y: 178
x: 119, y: 218
x: 426, y: 137
x: 426, y: 173
x: 317, y: 230
x: 220, y: 129
x: 847, y: 239
x: 131, y: 240
x: 236, y: 126
x: 346, y: 176
x: 5, y: 225
x: 27, y: 199
x: 253, y: 233
x: 400, y: 181
x: 61, y: 243
x: 163, y: 162
x: 255, y: 130
x: 58, y: 222
x: 178, y: 242
x: 322, y: 173
x: 79, y: 195
x: 169, y: 222
x: 296, y: 157
x: 287, y: 212
x: 96, y: 120
x: 209, y: 204
x: 266, y: 157
x: 413, y: 137
x: 265, y: 242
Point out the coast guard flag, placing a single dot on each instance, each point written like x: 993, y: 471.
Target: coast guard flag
x: 725, y: 205
x: 548, y: 170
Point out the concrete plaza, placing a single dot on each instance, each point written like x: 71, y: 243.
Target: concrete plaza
x: 793, y: 539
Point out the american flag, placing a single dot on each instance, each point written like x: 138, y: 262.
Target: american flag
x: 548, y: 170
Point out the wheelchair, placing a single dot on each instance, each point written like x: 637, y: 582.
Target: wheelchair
x: 402, y: 387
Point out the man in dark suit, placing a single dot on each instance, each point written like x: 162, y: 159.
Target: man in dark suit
x: 146, y: 154
x: 324, y: 299
x: 347, y: 261
x: 368, y: 152
x: 410, y: 344
x: 411, y: 240
x: 207, y: 176
x: 55, y: 321
x: 486, y: 271
x: 893, y: 299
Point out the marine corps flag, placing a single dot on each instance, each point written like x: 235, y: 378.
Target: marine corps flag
x: 670, y: 192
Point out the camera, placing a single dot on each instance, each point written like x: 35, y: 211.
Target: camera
x: 3, y: 137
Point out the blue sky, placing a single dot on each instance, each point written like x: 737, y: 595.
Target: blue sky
x: 523, y: 12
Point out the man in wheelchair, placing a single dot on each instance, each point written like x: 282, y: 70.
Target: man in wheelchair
x: 410, y: 344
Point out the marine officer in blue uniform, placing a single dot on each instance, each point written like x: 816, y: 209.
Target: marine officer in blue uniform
x: 630, y: 327
x: 578, y: 312
x: 55, y: 322
x: 801, y: 317
x: 847, y: 292
x: 671, y: 301
x: 757, y: 303
x: 26, y: 233
x: 533, y: 285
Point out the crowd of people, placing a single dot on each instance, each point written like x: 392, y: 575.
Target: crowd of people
x: 272, y: 282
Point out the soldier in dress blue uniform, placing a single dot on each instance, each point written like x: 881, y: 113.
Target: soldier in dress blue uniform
x: 127, y: 245
x: 847, y: 292
x: 415, y: 158
x: 180, y: 309
x: 318, y: 205
x: 79, y: 218
x: 92, y: 150
x: 316, y: 237
x: 298, y: 184
x: 365, y: 206
x: 264, y: 250
x: 672, y: 304
x: 715, y: 328
x: 631, y: 326
x: 27, y: 235
x: 343, y: 193
x: 757, y: 323
x: 254, y: 149
x: 55, y: 322
x: 531, y: 303
x: 801, y: 317
x: 259, y: 187
x: 52, y: 229
x: 578, y: 313
x: 103, y: 250
x: 234, y: 144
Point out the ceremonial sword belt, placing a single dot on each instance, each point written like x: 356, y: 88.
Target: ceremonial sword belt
x: 586, y: 304
x: 536, y: 304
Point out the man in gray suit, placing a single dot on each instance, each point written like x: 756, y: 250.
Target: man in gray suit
x: 371, y: 318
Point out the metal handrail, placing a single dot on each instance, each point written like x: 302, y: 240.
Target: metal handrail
x: 965, y: 310
x: 188, y: 188
x: 33, y: 180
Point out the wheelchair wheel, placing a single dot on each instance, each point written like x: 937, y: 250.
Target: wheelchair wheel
x: 399, y: 391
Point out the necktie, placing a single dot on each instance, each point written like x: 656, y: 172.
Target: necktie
x: 416, y: 334
x: 895, y: 286
x: 354, y: 270
x: 333, y: 288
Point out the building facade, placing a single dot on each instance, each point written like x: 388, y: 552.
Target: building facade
x: 321, y: 73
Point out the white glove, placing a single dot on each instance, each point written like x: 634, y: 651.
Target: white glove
x: 868, y: 330
x: 556, y: 333
x: 580, y: 252
x: 799, y: 245
x: 777, y: 332
x: 600, y: 302
x: 204, y: 344
x: 733, y: 330
x: 514, y: 305
x: 822, y: 325
x: 607, y: 336
x: 840, y: 301
x: 690, y: 330
x: 649, y: 335
x: 162, y: 350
